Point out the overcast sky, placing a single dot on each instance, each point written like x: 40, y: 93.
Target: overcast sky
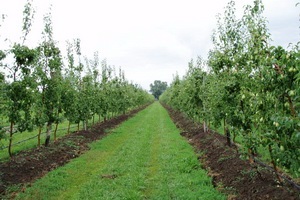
x: 150, y: 40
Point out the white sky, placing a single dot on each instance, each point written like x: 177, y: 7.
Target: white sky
x: 150, y: 40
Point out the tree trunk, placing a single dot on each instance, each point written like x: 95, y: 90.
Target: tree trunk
x: 85, y: 124
x: 10, y: 139
x: 68, y: 131
x: 274, y: 164
x: 39, y: 137
x: 55, y: 130
x: 250, y: 152
x: 78, y: 124
x: 227, y: 133
x: 56, y: 126
x: 228, y: 137
x: 48, y: 134
x: 204, y: 127
x: 292, y: 108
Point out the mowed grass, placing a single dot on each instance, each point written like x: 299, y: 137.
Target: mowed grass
x: 144, y: 158
x: 32, y: 143
x: 27, y: 143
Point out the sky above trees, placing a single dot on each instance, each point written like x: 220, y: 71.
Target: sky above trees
x: 149, y: 40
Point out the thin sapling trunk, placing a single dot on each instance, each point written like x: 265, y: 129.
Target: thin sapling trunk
x: 56, y: 126
x: 10, y: 139
x: 68, y: 131
x: 48, y: 134
x: 227, y: 133
x: 204, y: 126
x: 39, y: 137
x: 274, y: 164
x: 55, y: 131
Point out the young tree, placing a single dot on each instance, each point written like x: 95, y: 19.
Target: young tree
x: 2, y: 82
x: 70, y: 93
x: 19, y: 93
x: 49, y: 76
x: 226, y: 62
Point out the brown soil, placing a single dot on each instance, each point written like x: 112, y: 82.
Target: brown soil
x: 27, y: 166
x: 230, y: 174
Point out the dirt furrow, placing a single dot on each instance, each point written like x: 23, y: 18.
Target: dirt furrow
x: 229, y: 172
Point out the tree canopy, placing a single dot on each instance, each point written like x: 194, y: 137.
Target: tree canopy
x: 157, y: 88
x: 251, y: 89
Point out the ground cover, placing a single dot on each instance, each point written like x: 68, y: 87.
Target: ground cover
x: 27, y: 140
x: 29, y: 165
x: 231, y: 174
x: 144, y: 158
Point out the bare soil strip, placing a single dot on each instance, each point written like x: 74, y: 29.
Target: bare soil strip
x: 230, y: 173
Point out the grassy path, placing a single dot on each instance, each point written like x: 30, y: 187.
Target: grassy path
x: 144, y: 158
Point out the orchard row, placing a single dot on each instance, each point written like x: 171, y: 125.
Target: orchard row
x: 39, y: 89
x: 246, y: 86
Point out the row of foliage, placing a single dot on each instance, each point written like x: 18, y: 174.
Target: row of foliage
x: 250, y: 88
x: 39, y: 90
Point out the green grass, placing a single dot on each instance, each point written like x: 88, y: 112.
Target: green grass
x: 32, y: 143
x: 17, y: 137
x: 144, y: 158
